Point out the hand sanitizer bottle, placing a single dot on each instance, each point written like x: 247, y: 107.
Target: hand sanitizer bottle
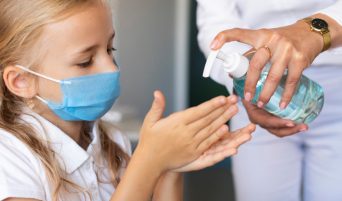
x: 305, y: 105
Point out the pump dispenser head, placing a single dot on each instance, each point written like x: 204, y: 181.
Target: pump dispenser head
x: 233, y: 63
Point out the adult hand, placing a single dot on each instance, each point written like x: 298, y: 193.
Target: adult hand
x: 291, y: 48
x: 275, y: 125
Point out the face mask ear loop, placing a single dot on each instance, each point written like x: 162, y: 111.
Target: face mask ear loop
x: 40, y: 75
x: 41, y: 99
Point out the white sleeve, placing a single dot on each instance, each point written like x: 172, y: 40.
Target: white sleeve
x: 335, y: 12
x: 118, y: 137
x: 123, y: 141
x: 18, y: 179
x: 128, y: 145
x: 213, y: 17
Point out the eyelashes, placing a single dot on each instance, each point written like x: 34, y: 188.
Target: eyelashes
x: 90, y: 61
x: 111, y: 53
x: 111, y: 50
x: 85, y: 64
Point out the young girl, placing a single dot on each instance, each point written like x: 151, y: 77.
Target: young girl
x: 58, y: 80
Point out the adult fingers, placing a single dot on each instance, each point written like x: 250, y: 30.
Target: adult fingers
x: 284, y: 132
x: 256, y: 66
x: 281, y: 60
x: 241, y: 35
x: 296, y: 66
x: 265, y: 119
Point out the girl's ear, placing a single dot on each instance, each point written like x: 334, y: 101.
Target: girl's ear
x: 19, y: 82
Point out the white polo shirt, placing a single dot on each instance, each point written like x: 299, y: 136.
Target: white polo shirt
x: 23, y: 175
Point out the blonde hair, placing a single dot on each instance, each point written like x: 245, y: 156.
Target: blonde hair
x: 21, y: 25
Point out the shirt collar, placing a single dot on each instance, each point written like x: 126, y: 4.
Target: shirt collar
x: 69, y: 154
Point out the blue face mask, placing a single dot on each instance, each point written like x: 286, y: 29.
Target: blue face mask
x: 85, y: 98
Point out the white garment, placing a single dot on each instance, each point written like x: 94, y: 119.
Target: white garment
x: 306, y: 166
x: 23, y: 175
x: 217, y: 15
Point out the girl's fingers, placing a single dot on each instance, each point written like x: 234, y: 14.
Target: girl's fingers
x: 204, y: 122
x: 205, y: 143
x: 234, y: 143
x: 208, y: 135
x: 250, y: 128
x: 157, y: 108
x: 216, y: 147
x: 208, y: 160
x: 217, y: 157
x: 239, y: 137
x: 218, y: 151
x: 204, y: 109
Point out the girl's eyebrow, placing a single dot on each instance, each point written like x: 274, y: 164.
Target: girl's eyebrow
x: 89, y: 49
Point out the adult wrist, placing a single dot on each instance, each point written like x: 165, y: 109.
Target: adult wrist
x: 334, y: 27
x: 319, y: 27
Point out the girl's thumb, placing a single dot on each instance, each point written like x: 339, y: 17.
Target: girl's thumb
x: 157, y: 108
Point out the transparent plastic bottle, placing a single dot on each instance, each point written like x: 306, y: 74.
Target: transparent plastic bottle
x: 305, y: 105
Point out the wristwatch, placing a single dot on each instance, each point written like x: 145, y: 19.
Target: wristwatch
x: 321, y: 27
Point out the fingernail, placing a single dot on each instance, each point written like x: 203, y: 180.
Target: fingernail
x: 260, y: 104
x: 231, y: 98
x: 248, y: 96
x: 303, y: 129
x: 290, y: 125
x: 222, y: 100
x: 214, y: 44
x: 282, y: 105
x: 224, y: 129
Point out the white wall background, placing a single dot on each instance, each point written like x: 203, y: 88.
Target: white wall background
x: 151, y: 38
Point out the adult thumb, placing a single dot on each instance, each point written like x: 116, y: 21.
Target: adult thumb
x: 157, y: 108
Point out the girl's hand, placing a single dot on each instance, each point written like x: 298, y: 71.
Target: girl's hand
x: 291, y: 48
x: 182, y: 137
x: 225, y: 147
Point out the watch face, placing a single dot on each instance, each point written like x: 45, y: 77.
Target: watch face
x: 319, y: 24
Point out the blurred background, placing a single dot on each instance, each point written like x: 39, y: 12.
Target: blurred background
x: 157, y: 49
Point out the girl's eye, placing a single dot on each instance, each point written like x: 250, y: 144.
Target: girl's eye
x: 85, y: 64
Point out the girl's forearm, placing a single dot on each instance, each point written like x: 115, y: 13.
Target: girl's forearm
x: 139, y: 180
x: 169, y: 187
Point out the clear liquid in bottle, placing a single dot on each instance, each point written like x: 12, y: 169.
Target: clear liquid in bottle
x: 305, y: 105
